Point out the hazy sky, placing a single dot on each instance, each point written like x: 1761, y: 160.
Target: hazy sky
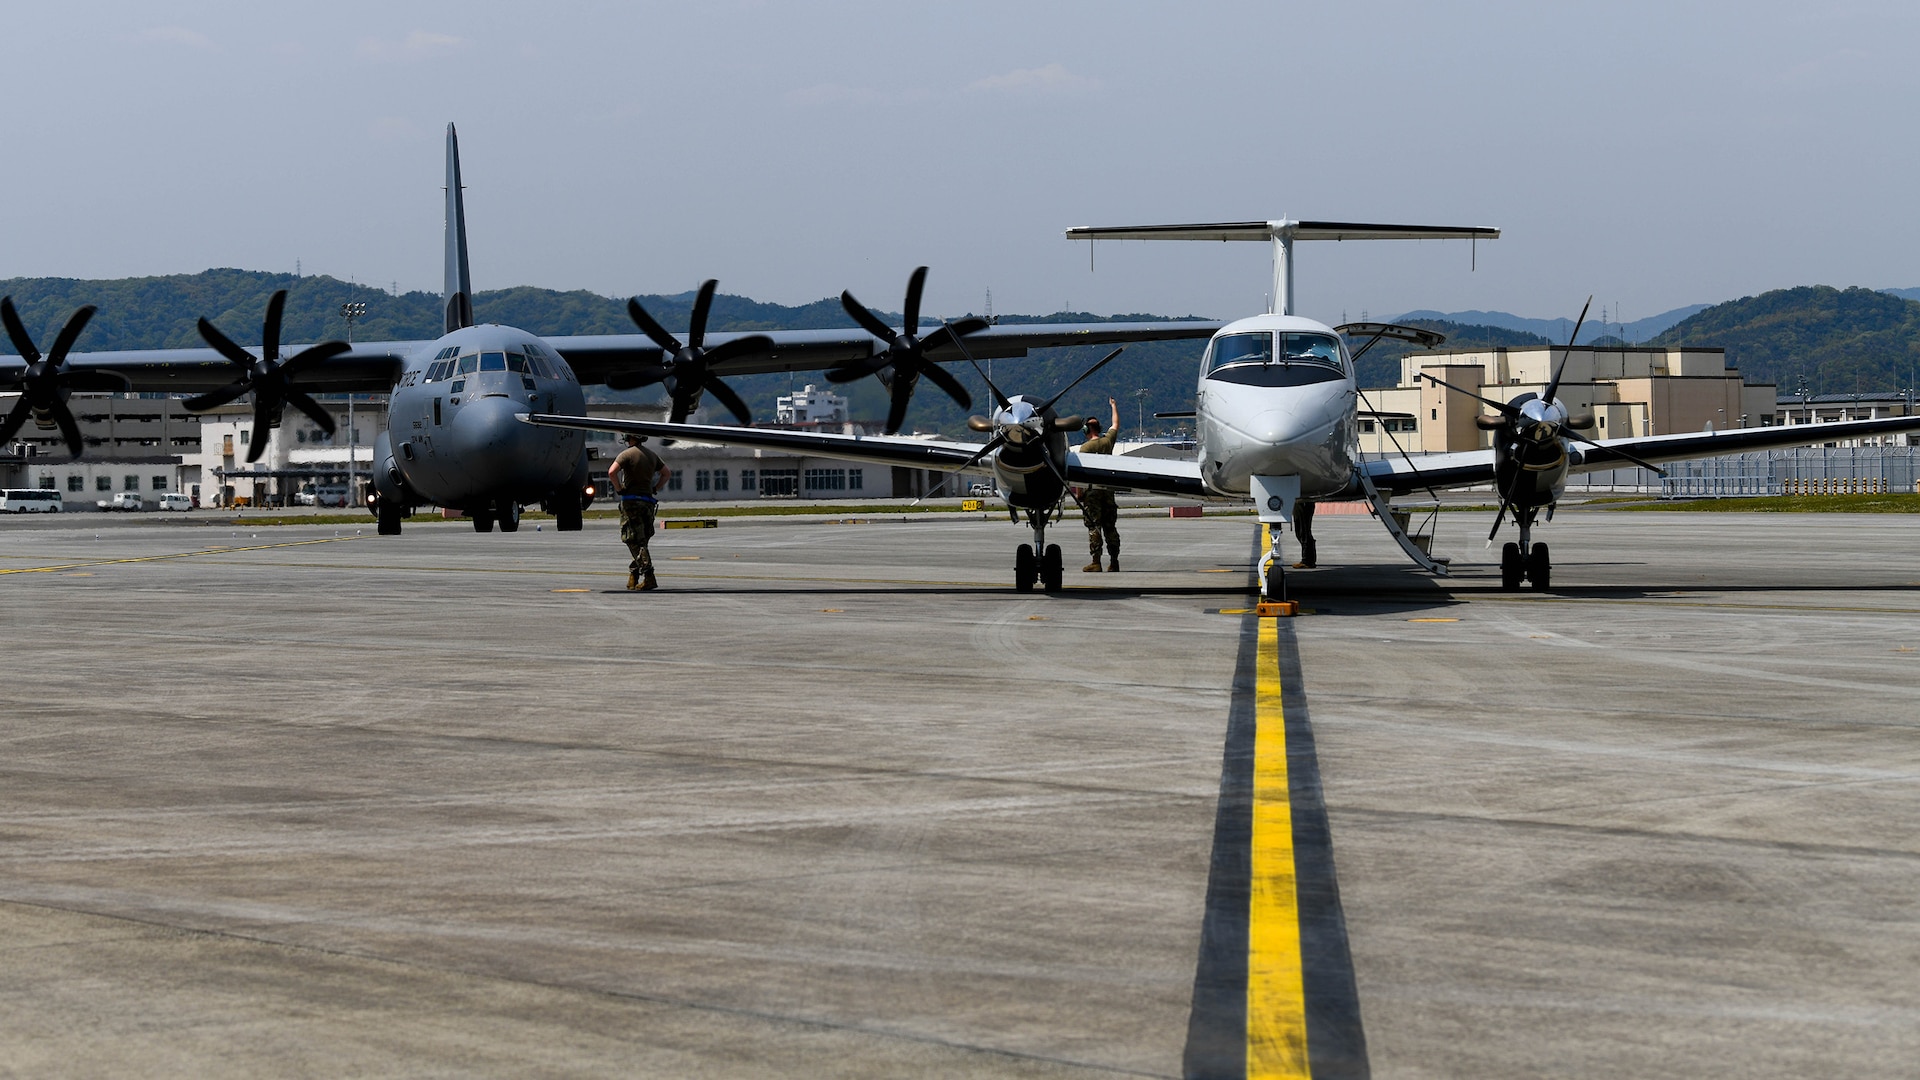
x: 1651, y: 154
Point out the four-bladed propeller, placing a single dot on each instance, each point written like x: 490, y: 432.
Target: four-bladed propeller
x: 904, y: 361
x: 1529, y: 429
x: 269, y: 379
x: 688, y: 369
x: 44, y: 383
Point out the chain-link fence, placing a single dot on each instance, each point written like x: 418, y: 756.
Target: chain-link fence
x: 1801, y: 470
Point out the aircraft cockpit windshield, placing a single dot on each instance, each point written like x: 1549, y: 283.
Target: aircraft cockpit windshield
x: 1257, y: 350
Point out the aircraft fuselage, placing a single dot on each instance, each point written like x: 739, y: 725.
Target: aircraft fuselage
x: 1277, y: 398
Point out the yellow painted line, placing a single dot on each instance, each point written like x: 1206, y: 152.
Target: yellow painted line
x: 1276, y: 986
x: 1433, y: 620
x: 173, y: 555
x: 571, y: 590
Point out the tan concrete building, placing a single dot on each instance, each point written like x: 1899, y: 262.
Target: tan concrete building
x: 1632, y: 391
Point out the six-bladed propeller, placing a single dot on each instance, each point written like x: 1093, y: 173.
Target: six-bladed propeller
x: 266, y: 377
x: 687, y: 369
x: 904, y: 361
x: 44, y: 383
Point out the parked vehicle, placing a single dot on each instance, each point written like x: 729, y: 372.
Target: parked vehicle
x: 173, y: 500
x: 123, y: 500
x: 321, y: 495
x: 30, y: 501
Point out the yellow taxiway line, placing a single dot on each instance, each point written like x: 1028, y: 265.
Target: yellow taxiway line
x: 170, y: 555
x: 1276, y: 989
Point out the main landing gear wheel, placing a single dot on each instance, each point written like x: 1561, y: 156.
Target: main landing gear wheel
x: 567, y: 517
x: 1539, y: 568
x: 1050, y: 569
x: 389, y: 517
x: 1512, y: 567
x: 482, y: 520
x: 507, y: 513
x: 1025, y: 568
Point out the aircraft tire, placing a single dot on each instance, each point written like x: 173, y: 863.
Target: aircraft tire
x: 1540, y: 568
x: 1512, y: 567
x: 482, y: 520
x: 567, y: 518
x: 1025, y: 568
x: 389, y: 521
x: 507, y: 513
x: 1051, y: 570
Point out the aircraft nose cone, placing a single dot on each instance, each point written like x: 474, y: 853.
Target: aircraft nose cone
x: 490, y: 440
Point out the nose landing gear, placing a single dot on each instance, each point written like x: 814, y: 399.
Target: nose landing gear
x: 1525, y: 561
x: 1045, y: 567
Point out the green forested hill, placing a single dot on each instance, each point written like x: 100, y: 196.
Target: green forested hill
x: 1842, y: 341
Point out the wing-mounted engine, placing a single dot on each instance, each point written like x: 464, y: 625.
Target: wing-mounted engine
x: 46, y: 382
x: 267, y: 378
x: 903, y: 363
x: 687, y: 369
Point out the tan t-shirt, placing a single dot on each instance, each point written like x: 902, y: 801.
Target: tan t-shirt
x: 1099, y: 444
x: 634, y: 471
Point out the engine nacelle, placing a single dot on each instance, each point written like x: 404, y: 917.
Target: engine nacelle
x: 389, y: 486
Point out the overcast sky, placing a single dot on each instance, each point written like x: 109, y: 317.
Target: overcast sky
x: 1653, y: 155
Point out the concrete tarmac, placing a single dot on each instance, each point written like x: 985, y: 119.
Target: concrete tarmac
x: 308, y: 801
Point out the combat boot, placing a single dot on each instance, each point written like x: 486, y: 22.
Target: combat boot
x: 1092, y: 567
x: 1113, y: 566
x: 648, y: 581
x: 633, y: 581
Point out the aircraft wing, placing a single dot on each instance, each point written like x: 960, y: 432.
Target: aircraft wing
x: 881, y: 449
x: 1469, y: 467
x: 593, y: 358
x: 369, y: 368
x: 1153, y: 476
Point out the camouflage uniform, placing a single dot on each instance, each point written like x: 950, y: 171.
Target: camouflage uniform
x: 1098, y: 510
x: 635, y: 470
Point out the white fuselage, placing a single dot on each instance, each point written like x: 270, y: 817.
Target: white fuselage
x: 1277, y: 398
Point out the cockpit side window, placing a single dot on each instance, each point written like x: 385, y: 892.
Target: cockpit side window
x: 1255, y: 348
x: 516, y: 362
x: 468, y: 363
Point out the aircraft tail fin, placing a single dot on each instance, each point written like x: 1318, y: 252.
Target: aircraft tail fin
x: 458, y: 295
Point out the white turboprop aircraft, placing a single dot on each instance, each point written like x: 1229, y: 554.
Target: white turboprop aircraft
x: 1277, y: 414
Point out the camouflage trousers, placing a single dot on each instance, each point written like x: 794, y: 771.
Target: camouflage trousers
x: 636, y: 528
x: 1102, y: 516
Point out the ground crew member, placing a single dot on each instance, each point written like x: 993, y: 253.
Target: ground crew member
x: 634, y: 476
x: 1303, y: 532
x: 1097, y: 507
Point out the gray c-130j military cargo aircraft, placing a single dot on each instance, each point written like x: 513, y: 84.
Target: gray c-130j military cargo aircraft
x: 454, y: 437
x: 1277, y: 419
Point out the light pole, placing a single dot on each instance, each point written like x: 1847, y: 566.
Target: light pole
x: 351, y: 311
x: 1140, y: 412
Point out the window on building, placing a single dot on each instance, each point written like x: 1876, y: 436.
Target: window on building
x: 749, y: 482
x: 46, y: 481
x: 673, y: 482
x: 103, y: 483
x: 702, y: 480
x: 1366, y: 426
x: 132, y: 483
x: 719, y: 479
x: 300, y: 436
x: 853, y: 480
x: 1603, y: 423
x: 826, y: 479
x: 76, y: 482
x: 159, y: 483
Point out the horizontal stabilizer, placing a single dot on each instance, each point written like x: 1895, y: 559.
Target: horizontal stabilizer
x: 1297, y: 230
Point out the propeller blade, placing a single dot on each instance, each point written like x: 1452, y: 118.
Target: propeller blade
x: 651, y: 328
x: 1083, y: 375
x: 224, y: 345
x: 1609, y: 449
x: 317, y: 354
x: 1507, y: 410
x: 1497, y: 519
x: 943, y: 379
x: 867, y: 320
x: 910, y: 311
x: 847, y: 373
x: 214, y: 398
x: 257, y: 442
x: 702, y: 306
x: 22, y: 409
x: 1554, y: 386
x: 633, y: 380
x: 951, y: 333
x: 756, y: 345
x: 69, y: 334
x: 270, y: 330
x: 902, y: 393
x: 69, y: 427
x: 17, y: 333
x: 299, y: 400
x: 724, y: 395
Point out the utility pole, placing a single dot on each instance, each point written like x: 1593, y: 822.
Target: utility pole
x: 1140, y: 412
x: 351, y: 311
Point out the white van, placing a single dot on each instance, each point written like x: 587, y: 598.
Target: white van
x: 321, y: 495
x: 173, y: 500
x: 30, y: 501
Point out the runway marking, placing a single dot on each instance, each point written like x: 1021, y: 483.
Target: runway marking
x: 1274, y: 993
x: 571, y: 590
x: 1433, y: 620
x: 172, y: 555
